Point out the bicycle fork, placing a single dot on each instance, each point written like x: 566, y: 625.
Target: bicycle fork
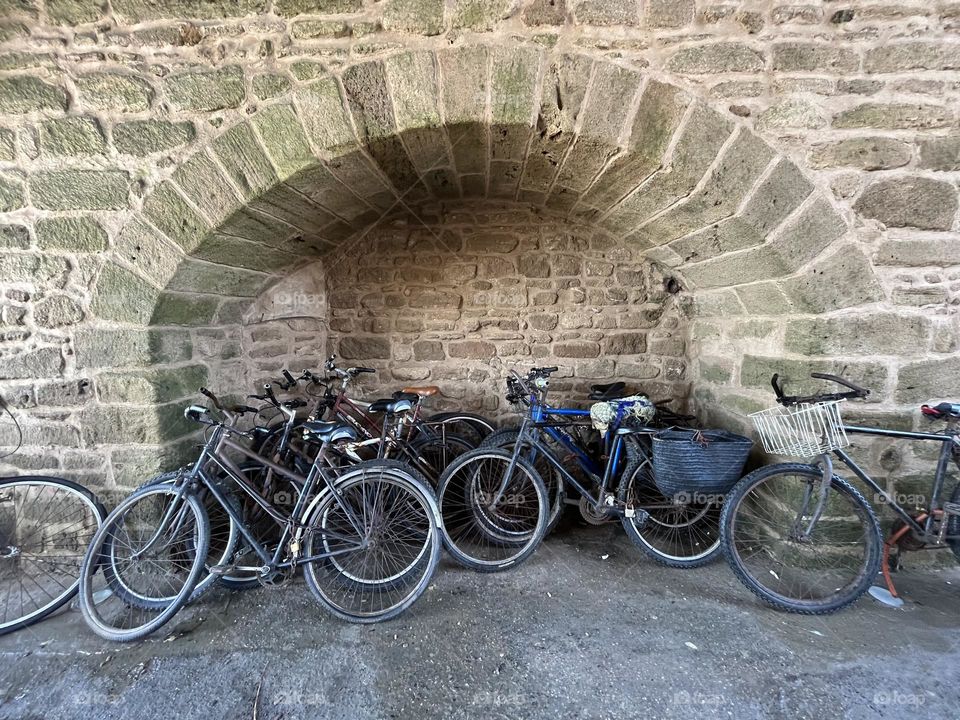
x: 795, y: 532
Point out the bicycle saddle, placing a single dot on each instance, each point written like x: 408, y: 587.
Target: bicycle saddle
x: 390, y: 406
x: 404, y: 395
x: 329, y: 431
x: 942, y: 410
x: 422, y: 390
x: 609, y: 391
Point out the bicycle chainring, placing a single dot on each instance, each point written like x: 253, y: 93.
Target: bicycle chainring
x: 276, y: 578
x: 908, y: 542
x: 594, y: 516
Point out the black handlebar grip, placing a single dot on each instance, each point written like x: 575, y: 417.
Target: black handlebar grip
x: 296, y: 403
x: 777, y: 386
x: 290, y: 379
x: 268, y: 390
x: 213, y: 398
x: 364, y: 370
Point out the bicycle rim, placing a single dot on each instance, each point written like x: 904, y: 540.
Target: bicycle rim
x: 765, y: 520
x: 45, y: 527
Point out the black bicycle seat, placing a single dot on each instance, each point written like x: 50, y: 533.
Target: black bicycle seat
x: 401, y: 395
x: 943, y: 410
x: 390, y: 406
x: 329, y: 431
x: 609, y: 391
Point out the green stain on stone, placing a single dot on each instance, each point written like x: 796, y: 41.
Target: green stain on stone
x: 80, y: 189
x: 206, y: 90
x: 423, y: 17
x: 78, y: 234
x: 284, y: 138
x: 24, y: 93
x: 8, y: 150
x: 143, y: 137
x: 115, y: 91
x: 122, y: 296
x: 184, y: 309
x: 289, y: 8
x: 166, y: 209
x: 269, y: 85
x: 11, y: 194
x: 72, y: 136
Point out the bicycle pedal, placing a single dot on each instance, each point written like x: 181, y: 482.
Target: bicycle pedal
x: 221, y: 570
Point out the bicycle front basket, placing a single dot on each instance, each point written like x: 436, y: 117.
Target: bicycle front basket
x: 801, y: 430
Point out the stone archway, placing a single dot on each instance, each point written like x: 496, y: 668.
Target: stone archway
x: 663, y: 180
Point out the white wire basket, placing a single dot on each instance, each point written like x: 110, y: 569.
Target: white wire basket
x: 801, y: 430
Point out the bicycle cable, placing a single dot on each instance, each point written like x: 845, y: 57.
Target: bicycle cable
x: 16, y: 424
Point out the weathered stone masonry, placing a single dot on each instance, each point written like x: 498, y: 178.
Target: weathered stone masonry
x: 203, y: 191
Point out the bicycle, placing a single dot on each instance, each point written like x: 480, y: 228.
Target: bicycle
x: 678, y: 531
x: 805, y: 540
x: 368, y: 540
x: 45, y: 526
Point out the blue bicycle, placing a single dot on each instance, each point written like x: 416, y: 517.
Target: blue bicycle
x: 492, y: 499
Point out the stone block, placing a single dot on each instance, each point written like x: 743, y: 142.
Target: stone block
x: 198, y: 276
x: 115, y: 91
x: 156, y: 385
x: 940, y: 153
x: 245, y: 161
x: 428, y: 350
x: 204, y: 185
x: 885, y: 334
x: 814, y: 57
x: 844, y: 279
x: 8, y: 145
x: 364, y: 349
x: 545, y: 12
x: 792, y: 113
x: 12, y: 196
x: 205, y: 90
x: 20, y: 94
x: 122, y: 296
x: 421, y: 17
x: 912, y: 201
x: 80, y: 189
x: 66, y: 393
x: 629, y: 343
x: 326, y: 120
x: 756, y: 371
x: 130, y: 348
x: 577, y: 349
x: 184, y: 309
x: 919, y: 252
x: 669, y: 13
x: 14, y: 236
x: 103, y: 424
x: 472, y: 350
x: 136, y: 11
x: 64, y: 137
x: 606, y: 12
x: 56, y: 311
x: 167, y: 209
x: 284, y: 138
x: 866, y: 153
x: 895, y: 57
x: 718, y: 57
x: 145, y: 137
x: 270, y: 85
x: 914, y: 116
x: 481, y: 15
x: 39, y: 363
x: 928, y: 380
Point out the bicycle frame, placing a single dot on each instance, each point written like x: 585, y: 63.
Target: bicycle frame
x: 292, y: 523
x: 948, y: 440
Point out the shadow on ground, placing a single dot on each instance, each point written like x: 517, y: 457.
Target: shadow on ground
x: 586, y: 629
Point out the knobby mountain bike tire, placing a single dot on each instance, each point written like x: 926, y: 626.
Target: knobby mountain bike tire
x: 46, y: 524
x: 795, y: 578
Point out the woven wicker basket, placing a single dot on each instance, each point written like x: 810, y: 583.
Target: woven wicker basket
x: 698, y: 461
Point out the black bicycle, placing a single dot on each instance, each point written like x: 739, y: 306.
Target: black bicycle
x: 802, y: 538
x: 367, y: 536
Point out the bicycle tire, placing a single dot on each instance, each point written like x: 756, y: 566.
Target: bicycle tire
x: 426, y: 448
x: 90, y: 597
x: 97, y: 515
x: 702, y: 556
x: 425, y: 565
x: 469, y: 425
x: 450, y: 495
x: 872, y: 535
x: 556, y: 488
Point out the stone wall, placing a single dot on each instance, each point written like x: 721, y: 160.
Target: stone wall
x: 463, y: 297
x: 164, y: 163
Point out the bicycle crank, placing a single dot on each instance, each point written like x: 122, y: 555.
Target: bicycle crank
x: 594, y: 515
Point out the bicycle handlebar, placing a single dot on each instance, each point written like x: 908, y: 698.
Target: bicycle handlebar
x: 855, y: 390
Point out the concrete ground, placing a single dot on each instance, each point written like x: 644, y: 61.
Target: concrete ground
x: 588, y: 628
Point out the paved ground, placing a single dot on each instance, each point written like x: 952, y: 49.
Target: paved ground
x: 586, y: 629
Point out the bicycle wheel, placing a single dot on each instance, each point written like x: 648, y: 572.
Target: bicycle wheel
x: 488, y: 525
x: 953, y: 523
x: 224, y: 536
x: 153, y: 545
x: 45, y: 526
x: 675, y: 534
x: 379, y: 533
x: 762, y: 524
x: 556, y: 490
x: 438, y: 452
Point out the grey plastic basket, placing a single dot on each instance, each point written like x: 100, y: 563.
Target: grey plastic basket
x: 698, y: 461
